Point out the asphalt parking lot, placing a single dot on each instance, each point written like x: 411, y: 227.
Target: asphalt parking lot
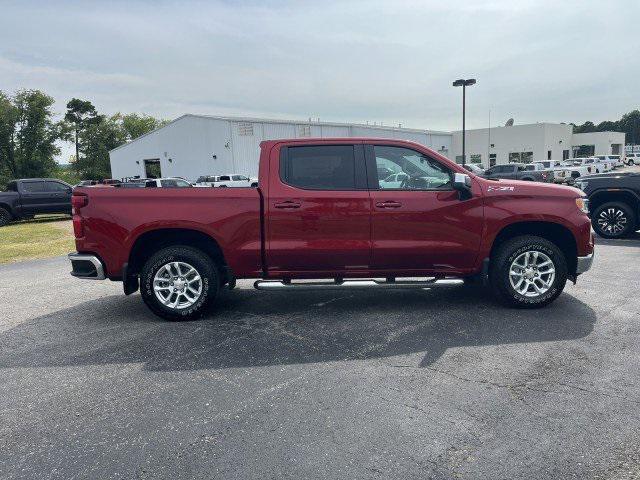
x: 397, y: 384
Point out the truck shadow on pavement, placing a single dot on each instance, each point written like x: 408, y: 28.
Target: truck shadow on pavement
x: 252, y: 329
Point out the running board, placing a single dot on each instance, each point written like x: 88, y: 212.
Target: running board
x: 356, y: 284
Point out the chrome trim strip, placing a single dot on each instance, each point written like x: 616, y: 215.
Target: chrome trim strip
x: 355, y: 284
x: 95, y: 261
x: 584, y: 264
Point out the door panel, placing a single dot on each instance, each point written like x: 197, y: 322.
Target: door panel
x: 316, y: 228
x: 423, y: 225
x: 59, y: 197
x: 33, y: 197
x: 428, y: 230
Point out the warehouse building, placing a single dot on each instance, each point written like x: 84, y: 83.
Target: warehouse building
x: 533, y: 142
x: 195, y: 145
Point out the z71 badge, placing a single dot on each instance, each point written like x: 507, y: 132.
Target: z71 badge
x: 500, y: 189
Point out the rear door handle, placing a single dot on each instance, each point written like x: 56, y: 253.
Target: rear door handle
x: 287, y: 204
x: 388, y: 204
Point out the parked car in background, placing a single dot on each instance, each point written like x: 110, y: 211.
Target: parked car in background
x: 169, y: 182
x: 395, y: 180
x: 614, y: 202
x: 633, y: 159
x: 321, y: 212
x: 593, y: 165
x: 27, y: 197
x: 231, y: 180
x: 614, y: 160
x: 86, y: 183
x: 474, y: 168
x: 518, y: 171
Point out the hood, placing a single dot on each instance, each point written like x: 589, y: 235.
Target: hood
x: 521, y: 187
x: 609, y: 175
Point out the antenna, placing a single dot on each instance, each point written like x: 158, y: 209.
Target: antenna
x: 509, y: 123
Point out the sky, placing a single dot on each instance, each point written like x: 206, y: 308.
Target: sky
x: 362, y: 61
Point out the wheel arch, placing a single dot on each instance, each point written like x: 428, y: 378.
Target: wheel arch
x: 554, y: 232
x: 151, y: 241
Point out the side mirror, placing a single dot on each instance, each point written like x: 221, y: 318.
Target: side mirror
x: 462, y: 183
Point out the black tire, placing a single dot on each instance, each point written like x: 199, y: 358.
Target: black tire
x: 5, y: 217
x: 501, y: 263
x: 613, y: 220
x: 198, y: 260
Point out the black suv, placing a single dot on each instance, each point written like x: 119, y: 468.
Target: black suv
x: 614, y: 202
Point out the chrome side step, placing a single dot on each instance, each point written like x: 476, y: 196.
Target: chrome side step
x: 356, y: 284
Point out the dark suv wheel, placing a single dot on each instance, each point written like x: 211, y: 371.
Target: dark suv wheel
x: 613, y: 220
x: 5, y: 217
x: 179, y: 283
x: 528, y: 272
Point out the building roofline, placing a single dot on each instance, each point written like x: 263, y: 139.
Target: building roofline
x: 285, y: 121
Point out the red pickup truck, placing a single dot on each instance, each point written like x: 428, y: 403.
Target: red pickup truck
x: 335, y: 213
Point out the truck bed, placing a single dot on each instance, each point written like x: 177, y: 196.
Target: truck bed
x: 116, y: 218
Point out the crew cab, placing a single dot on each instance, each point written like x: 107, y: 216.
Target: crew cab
x: 633, y: 159
x: 322, y: 218
x: 27, y: 197
x: 518, y: 171
x: 614, y: 201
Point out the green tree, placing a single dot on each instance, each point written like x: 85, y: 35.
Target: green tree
x: 80, y: 114
x: 586, y: 127
x: 105, y: 134
x: 27, y: 135
x: 630, y: 124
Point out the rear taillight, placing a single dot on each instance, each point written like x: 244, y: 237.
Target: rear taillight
x: 78, y: 201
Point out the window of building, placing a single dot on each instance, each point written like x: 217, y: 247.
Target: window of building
x: 326, y: 167
x: 549, y: 154
x: 492, y: 159
x: 459, y: 159
x: 565, y: 154
x: 475, y: 158
x: 520, y: 157
x: 414, y: 170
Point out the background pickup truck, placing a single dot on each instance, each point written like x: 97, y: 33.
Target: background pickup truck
x: 518, y: 171
x: 29, y: 197
x: 323, y: 211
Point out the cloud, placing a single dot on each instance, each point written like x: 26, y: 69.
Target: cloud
x: 345, y: 61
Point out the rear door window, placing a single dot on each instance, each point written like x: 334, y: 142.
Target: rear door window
x: 56, y: 187
x: 322, y: 167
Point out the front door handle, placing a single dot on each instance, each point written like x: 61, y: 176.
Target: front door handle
x: 288, y: 204
x: 388, y: 204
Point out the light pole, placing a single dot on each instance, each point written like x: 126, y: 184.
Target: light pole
x: 464, y: 84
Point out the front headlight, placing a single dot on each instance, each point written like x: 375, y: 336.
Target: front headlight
x: 582, y: 204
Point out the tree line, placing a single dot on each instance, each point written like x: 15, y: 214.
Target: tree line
x: 29, y: 136
x: 629, y: 124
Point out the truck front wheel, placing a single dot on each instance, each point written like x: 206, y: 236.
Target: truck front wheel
x: 179, y: 283
x: 528, y: 272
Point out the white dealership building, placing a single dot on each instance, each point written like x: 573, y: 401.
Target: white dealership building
x: 195, y: 145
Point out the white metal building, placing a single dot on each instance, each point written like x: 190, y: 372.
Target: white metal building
x: 195, y: 145
x: 531, y: 142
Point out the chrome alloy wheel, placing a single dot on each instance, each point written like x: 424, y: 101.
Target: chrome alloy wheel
x: 532, y: 273
x: 612, y: 221
x: 177, y: 285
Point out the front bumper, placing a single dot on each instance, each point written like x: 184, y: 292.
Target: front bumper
x: 86, y: 266
x: 584, y: 264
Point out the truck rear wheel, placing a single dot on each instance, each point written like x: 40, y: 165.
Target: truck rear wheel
x: 179, y: 283
x: 528, y: 272
x: 5, y: 217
